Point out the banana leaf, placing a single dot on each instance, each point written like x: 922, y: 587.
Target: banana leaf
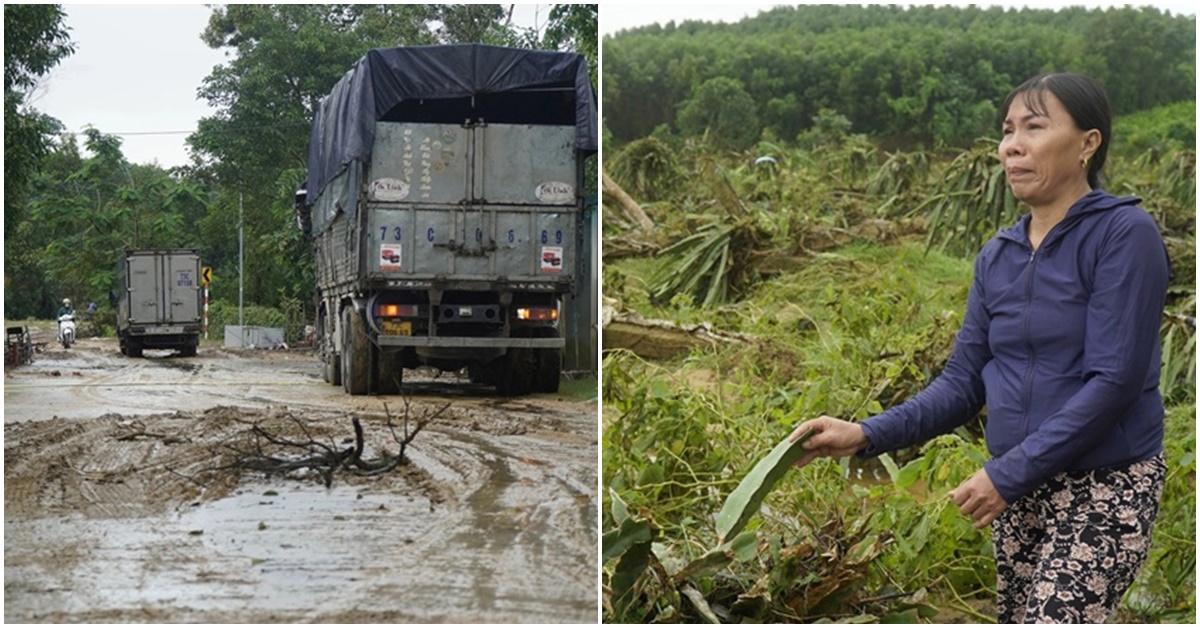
x: 746, y: 499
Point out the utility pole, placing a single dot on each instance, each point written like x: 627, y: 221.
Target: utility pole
x: 241, y: 260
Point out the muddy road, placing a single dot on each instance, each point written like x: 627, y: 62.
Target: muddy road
x: 124, y: 499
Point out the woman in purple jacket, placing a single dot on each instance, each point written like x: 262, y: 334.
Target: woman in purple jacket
x: 1060, y: 342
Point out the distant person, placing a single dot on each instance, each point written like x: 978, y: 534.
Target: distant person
x: 65, y: 310
x: 1060, y: 342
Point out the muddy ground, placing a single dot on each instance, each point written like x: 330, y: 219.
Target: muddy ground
x: 123, y: 500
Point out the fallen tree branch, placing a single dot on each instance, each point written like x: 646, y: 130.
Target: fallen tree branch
x: 659, y: 339
x: 270, y: 452
x: 387, y: 462
x: 625, y: 203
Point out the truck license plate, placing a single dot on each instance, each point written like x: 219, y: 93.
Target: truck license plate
x: 397, y: 328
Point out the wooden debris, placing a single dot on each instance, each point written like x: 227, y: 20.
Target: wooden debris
x: 625, y: 203
x: 658, y: 339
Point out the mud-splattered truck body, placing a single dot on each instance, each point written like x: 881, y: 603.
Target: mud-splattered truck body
x: 443, y: 202
x: 159, y: 304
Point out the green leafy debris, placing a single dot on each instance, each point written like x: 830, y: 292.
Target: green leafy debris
x: 745, y: 500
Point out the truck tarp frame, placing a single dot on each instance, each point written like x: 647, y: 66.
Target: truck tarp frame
x: 344, y: 128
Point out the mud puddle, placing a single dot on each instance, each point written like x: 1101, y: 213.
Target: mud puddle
x: 113, y: 511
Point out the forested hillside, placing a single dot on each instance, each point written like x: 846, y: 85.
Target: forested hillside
x: 922, y: 75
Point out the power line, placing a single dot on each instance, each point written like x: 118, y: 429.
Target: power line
x: 276, y: 125
x: 128, y: 133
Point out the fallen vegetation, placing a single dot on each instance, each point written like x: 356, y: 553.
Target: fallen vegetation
x: 270, y: 448
x: 841, y: 273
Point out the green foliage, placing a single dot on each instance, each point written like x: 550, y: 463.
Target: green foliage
x: 971, y: 204
x: 922, y: 75
x: 829, y: 127
x: 722, y: 110
x: 83, y: 213
x: 573, y: 27
x: 850, y: 321
x: 745, y: 500
x: 222, y: 313
x: 1160, y: 129
x: 696, y: 266
x: 35, y: 40
x: 647, y: 168
x: 931, y: 537
x: 1166, y: 587
x: 1177, y: 381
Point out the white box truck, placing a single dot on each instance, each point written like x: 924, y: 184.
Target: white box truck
x: 159, y: 303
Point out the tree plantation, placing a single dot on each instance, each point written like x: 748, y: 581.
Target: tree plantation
x: 922, y: 75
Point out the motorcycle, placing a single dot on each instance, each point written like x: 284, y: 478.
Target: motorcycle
x: 66, y: 330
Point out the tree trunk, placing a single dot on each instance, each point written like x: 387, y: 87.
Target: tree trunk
x: 626, y: 203
x: 658, y: 339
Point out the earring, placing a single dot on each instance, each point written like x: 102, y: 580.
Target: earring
x: 1084, y: 164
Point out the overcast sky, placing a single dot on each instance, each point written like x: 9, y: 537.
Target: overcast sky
x: 136, y: 68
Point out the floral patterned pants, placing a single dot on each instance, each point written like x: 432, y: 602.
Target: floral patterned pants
x: 1067, y: 552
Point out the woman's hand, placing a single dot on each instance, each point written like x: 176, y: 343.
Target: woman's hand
x: 831, y: 437
x: 978, y: 499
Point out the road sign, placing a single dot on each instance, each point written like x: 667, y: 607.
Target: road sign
x: 206, y: 275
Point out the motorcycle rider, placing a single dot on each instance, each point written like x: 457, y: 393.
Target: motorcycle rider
x: 64, y: 310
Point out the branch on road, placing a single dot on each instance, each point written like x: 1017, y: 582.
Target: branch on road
x: 275, y: 450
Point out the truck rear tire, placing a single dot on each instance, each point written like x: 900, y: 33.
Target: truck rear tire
x: 547, y: 363
x: 391, y: 374
x: 549, y: 370
x: 331, y: 366
x: 356, y: 353
x: 480, y: 374
x: 333, y: 369
x: 188, y: 351
x: 516, y: 376
x: 133, y: 347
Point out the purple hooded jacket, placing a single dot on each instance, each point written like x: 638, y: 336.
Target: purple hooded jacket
x: 1062, y: 346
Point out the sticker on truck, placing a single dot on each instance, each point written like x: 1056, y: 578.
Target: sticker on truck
x: 387, y: 189
x: 552, y: 259
x: 389, y: 256
x: 555, y: 193
x: 184, y: 279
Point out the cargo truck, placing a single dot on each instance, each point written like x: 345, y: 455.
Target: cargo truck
x: 443, y: 204
x: 159, y: 302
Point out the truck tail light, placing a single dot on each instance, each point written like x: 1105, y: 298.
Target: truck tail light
x: 537, y: 313
x: 394, y: 310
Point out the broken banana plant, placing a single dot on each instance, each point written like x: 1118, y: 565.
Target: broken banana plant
x: 746, y: 499
x: 632, y: 539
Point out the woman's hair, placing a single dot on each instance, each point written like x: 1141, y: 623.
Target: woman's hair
x: 1085, y: 101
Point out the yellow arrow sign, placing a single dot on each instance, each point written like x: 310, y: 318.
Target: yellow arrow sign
x: 206, y: 275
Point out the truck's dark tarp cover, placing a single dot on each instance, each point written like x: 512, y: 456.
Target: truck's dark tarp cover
x: 344, y: 128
